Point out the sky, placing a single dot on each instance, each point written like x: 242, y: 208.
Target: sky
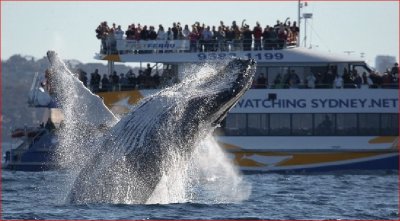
x: 363, y: 28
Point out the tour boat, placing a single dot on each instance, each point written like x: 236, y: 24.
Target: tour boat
x: 296, y: 118
x: 287, y: 126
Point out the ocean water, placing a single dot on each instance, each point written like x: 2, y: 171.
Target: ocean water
x: 41, y: 195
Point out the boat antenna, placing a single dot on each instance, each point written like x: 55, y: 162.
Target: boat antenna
x: 299, y: 17
x: 298, y: 22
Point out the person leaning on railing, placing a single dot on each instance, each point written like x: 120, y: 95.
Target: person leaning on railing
x: 185, y: 32
x: 105, y: 83
x: 194, y: 37
x: 102, y: 32
x: 95, y: 79
x: 257, y: 34
x: 206, y: 37
x: 220, y: 39
x: 130, y: 32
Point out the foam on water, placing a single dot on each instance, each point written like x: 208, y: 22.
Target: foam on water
x: 206, y: 176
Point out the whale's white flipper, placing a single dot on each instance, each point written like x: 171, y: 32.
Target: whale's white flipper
x: 93, y: 111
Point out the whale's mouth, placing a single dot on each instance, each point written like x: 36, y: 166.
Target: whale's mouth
x: 242, y: 71
x: 220, y: 118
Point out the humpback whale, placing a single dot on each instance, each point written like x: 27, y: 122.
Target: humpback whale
x: 130, y: 158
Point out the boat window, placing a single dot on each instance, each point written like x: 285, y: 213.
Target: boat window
x: 295, y: 77
x: 280, y: 124
x: 324, y: 124
x: 261, y: 71
x: 368, y: 124
x: 318, y: 124
x: 235, y: 124
x: 275, y: 76
x: 318, y: 69
x: 390, y: 124
x: 360, y: 68
x: 258, y: 124
x: 346, y: 124
x: 299, y: 71
x: 302, y: 124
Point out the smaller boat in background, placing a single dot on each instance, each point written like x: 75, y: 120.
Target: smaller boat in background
x: 33, y: 148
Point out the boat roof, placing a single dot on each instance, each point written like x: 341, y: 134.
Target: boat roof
x: 287, y: 55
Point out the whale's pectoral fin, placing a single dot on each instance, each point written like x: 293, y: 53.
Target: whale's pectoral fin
x: 86, y: 106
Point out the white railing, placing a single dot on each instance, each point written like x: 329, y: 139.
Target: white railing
x: 131, y: 45
x: 126, y: 46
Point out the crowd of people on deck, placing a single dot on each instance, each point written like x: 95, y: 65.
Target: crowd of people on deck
x: 204, y: 37
x: 332, y: 79
x: 145, y: 79
x: 232, y: 37
x: 153, y: 79
x: 149, y: 79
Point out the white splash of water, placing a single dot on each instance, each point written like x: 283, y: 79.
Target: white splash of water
x: 208, y: 176
x: 220, y: 179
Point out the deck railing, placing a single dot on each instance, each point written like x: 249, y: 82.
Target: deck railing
x: 126, y: 46
x: 138, y: 86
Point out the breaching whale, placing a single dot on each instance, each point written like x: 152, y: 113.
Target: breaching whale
x: 131, y: 157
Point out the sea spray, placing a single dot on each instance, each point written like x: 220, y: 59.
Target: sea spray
x: 217, y: 176
x: 191, y: 170
x: 208, y: 177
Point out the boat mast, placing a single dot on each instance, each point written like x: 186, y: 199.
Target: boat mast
x: 298, y: 23
x: 304, y: 16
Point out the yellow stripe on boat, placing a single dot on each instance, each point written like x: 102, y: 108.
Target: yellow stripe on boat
x: 117, y: 98
x: 249, y: 159
x: 313, y: 158
x: 383, y: 139
x: 112, y: 57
